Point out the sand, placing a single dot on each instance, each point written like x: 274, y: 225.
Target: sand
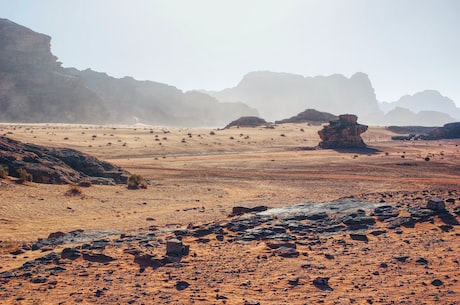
x: 196, y: 176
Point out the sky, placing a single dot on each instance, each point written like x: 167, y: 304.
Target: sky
x: 405, y: 46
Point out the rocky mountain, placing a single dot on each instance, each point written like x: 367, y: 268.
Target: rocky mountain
x: 428, y: 100
x: 281, y: 95
x: 35, y: 88
x: 405, y: 117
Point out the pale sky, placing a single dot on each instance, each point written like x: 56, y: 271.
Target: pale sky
x: 405, y: 46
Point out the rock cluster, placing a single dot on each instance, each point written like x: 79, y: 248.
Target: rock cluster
x: 448, y: 131
x: 57, y: 165
x: 310, y: 116
x: 343, y: 133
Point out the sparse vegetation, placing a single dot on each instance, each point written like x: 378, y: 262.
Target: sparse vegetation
x: 74, y: 190
x: 136, y: 181
x: 3, y: 171
x: 24, y: 176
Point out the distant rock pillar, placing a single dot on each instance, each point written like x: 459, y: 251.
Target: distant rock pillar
x: 343, y: 133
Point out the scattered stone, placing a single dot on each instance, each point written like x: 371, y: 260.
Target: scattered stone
x: 174, y: 247
x: 39, y: 280
x: 401, y: 258
x: 436, y: 204
x: 98, y: 257
x: 422, y: 261
x: 359, y: 237
x: 181, y: 285
x: 322, y: 283
x: 437, y: 282
x: 286, y: 252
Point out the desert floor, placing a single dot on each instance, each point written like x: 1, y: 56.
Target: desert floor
x: 195, y: 177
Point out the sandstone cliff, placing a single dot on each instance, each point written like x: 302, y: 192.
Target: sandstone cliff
x: 35, y: 88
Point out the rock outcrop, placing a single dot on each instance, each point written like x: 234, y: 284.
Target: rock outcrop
x: 343, y: 133
x: 310, y: 116
x: 57, y: 165
x: 35, y: 88
x: 247, y: 121
x: 448, y: 131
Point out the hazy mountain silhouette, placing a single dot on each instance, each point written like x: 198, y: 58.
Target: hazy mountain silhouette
x: 428, y: 100
x: 35, y: 88
x: 281, y: 95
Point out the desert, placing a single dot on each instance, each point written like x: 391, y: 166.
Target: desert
x: 197, y: 179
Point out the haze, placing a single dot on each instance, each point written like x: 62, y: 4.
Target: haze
x: 404, y: 46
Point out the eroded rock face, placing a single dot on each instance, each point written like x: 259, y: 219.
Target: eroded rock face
x: 343, y: 133
x: 448, y: 131
x: 57, y: 165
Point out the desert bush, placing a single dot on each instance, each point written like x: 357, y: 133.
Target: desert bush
x: 24, y: 176
x: 136, y: 181
x: 3, y: 171
x: 85, y: 183
x: 74, y: 190
x: 427, y: 159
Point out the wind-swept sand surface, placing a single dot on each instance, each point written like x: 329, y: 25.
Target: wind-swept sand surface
x: 196, y: 177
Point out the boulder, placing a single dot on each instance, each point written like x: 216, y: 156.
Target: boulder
x: 436, y: 204
x: 343, y: 133
x: 174, y: 247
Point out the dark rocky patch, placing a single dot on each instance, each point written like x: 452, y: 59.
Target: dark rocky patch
x: 247, y: 121
x: 57, y: 165
x: 310, y: 116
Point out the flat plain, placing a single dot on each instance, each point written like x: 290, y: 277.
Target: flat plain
x: 195, y: 178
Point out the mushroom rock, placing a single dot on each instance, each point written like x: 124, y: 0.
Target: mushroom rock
x: 343, y: 133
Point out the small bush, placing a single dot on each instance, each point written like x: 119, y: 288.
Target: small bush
x: 74, y: 190
x: 3, y: 171
x: 136, y: 181
x: 427, y: 159
x: 24, y: 176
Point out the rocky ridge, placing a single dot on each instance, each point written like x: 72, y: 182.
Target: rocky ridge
x: 57, y: 165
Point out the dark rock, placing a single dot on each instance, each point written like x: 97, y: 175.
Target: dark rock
x: 251, y: 303
x: 377, y: 232
x: 174, y: 247
x: 401, y: 258
x: 39, y: 280
x: 422, y: 261
x: 342, y: 133
x: 286, y: 252
x: 359, y: 237
x: 405, y: 221
x: 436, y: 204
x: 181, y: 285
x: 7, y: 275
x: 70, y: 253
x: 383, y: 265
x: 322, y: 283
x: 98, y: 257
x: 293, y: 281
x: 240, y: 210
x: 273, y: 244
x: 385, y: 212
x: 357, y: 219
x: 437, y: 282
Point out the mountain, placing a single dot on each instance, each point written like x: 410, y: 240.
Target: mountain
x: 281, y: 95
x: 405, y: 117
x: 35, y: 88
x: 310, y: 116
x: 428, y: 100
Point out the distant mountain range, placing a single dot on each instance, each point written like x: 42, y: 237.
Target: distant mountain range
x: 281, y: 95
x: 35, y: 88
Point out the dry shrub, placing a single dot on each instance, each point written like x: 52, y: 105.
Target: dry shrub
x: 3, y: 172
x: 136, y: 181
x: 74, y: 190
x: 24, y: 176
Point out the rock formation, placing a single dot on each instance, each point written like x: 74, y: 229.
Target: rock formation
x: 247, y: 121
x: 57, y: 165
x: 310, y: 116
x: 342, y: 133
x: 448, y: 131
x: 35, y: 88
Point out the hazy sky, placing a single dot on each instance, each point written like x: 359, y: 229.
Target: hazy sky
x: 405, y: 46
